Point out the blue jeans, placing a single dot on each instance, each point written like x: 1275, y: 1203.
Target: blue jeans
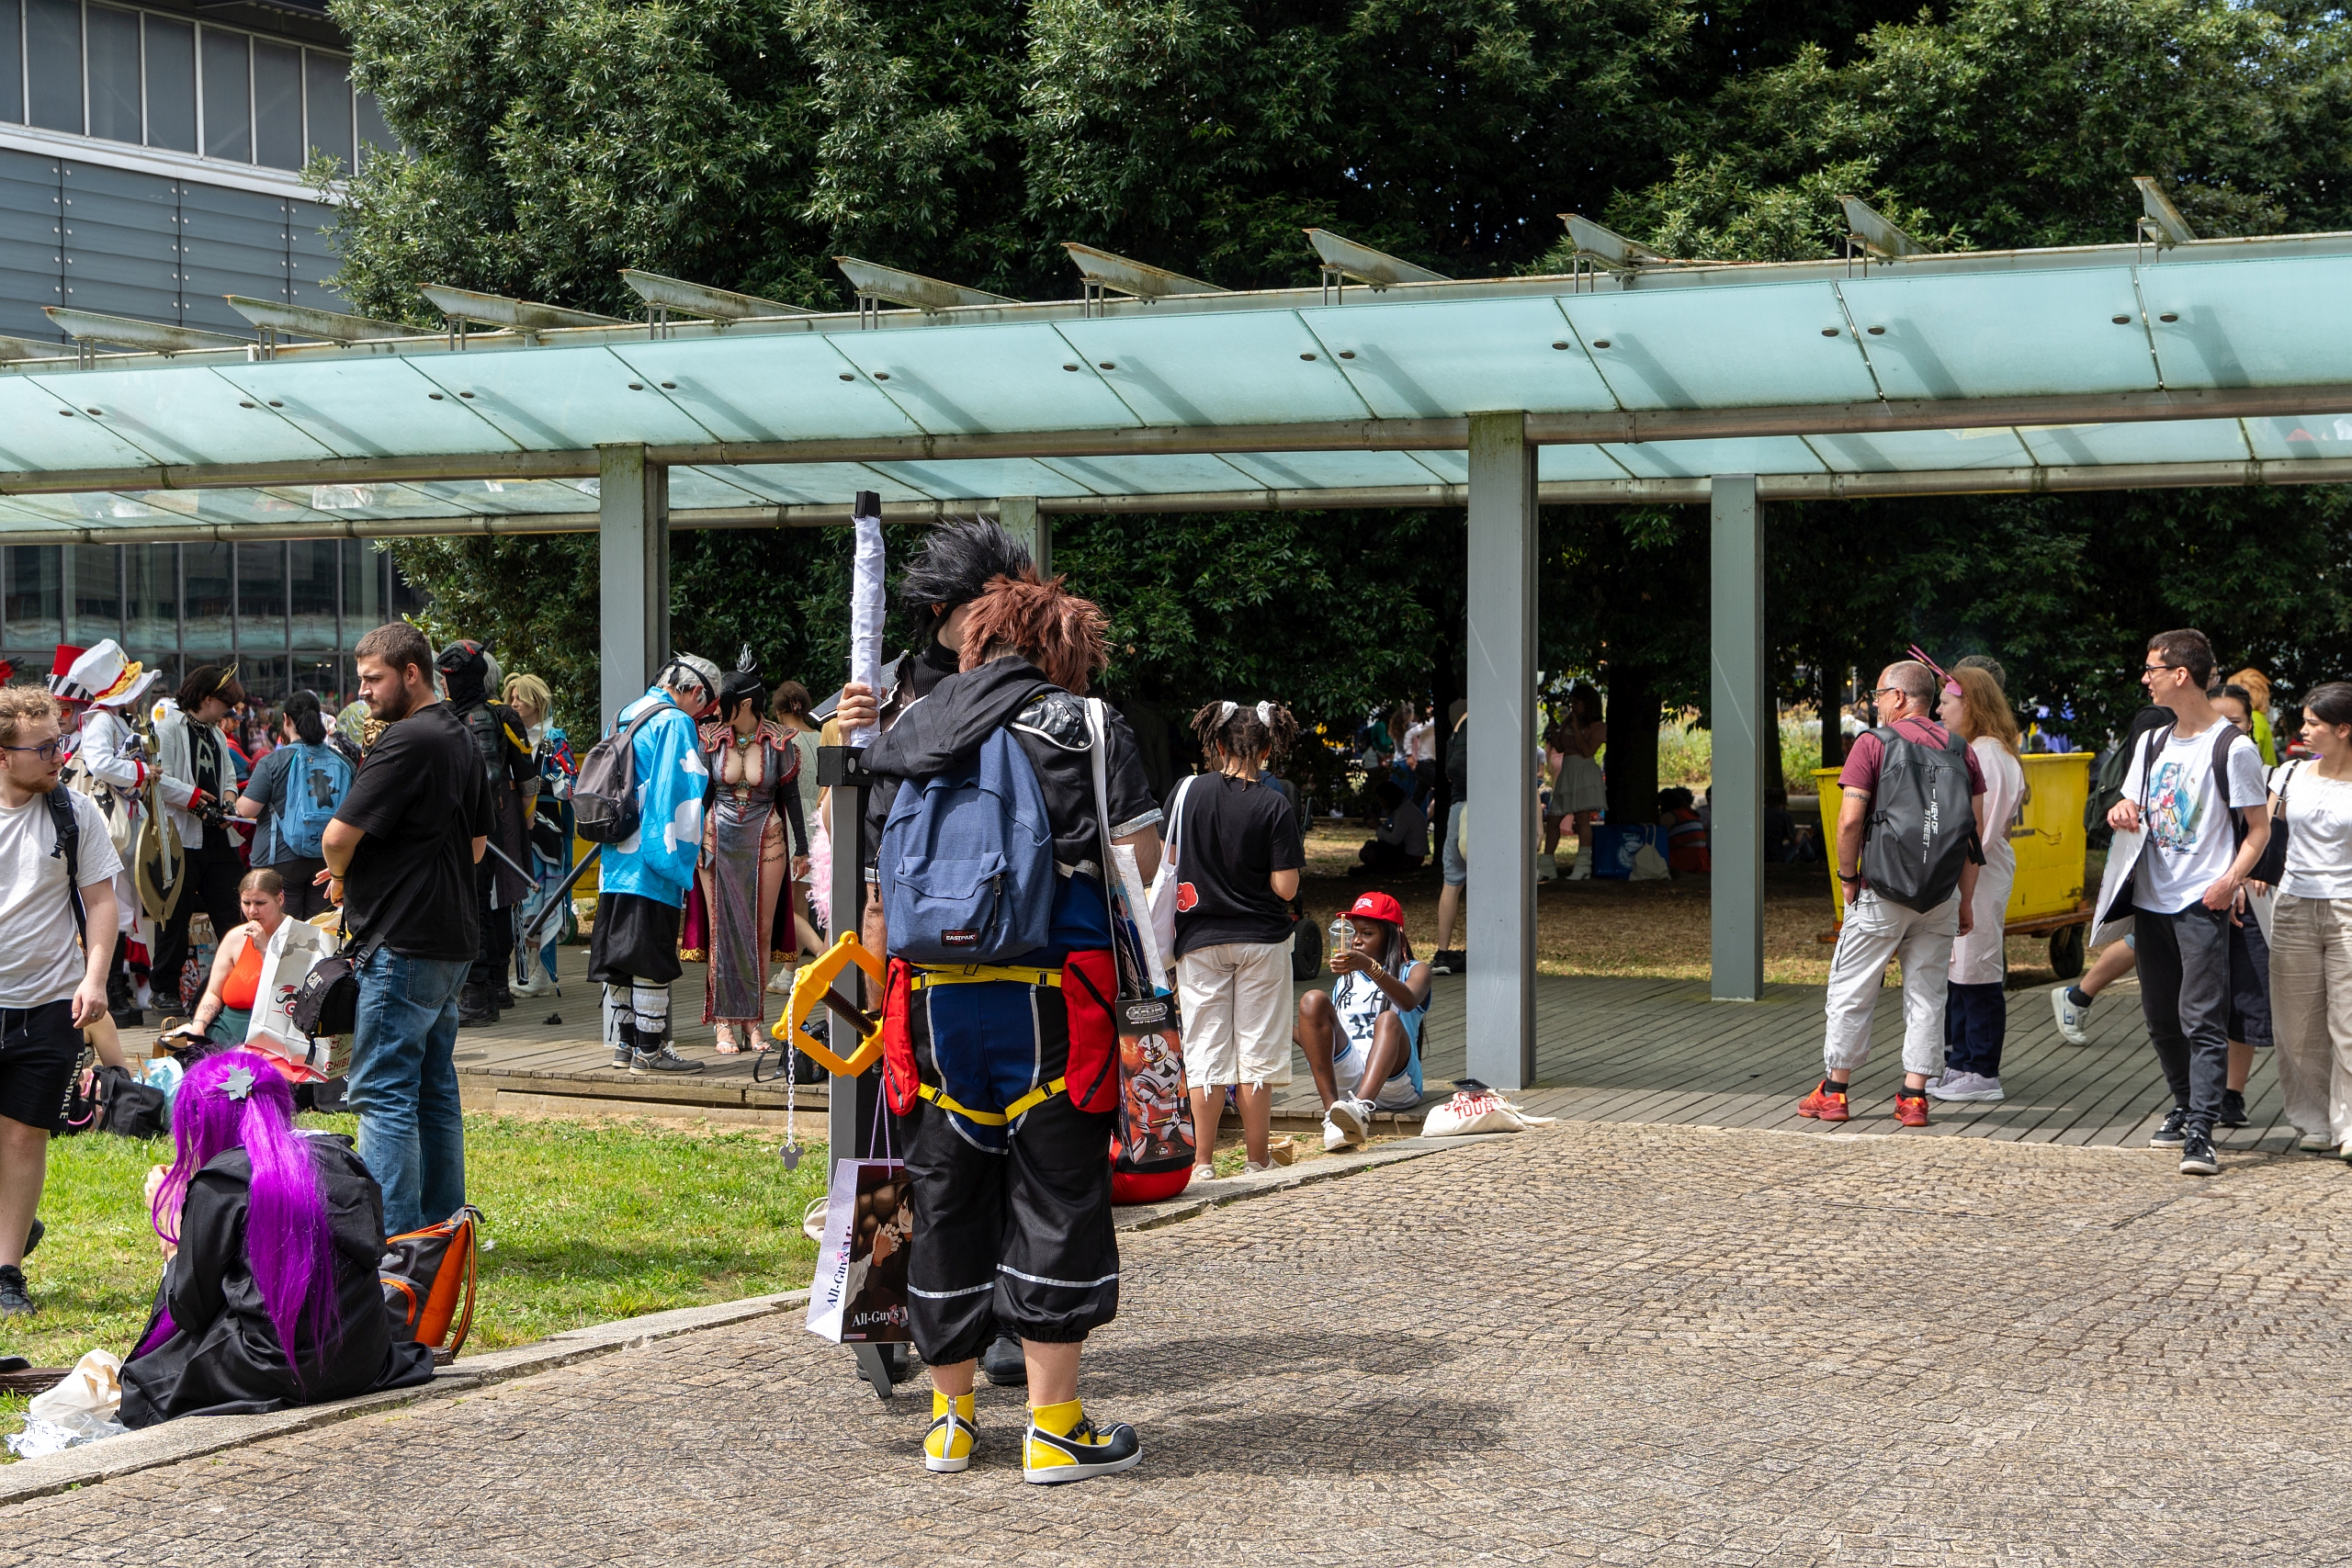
x: 404, y: 1084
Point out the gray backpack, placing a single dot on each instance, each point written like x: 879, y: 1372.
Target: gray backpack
x: 1922, y: 826
x: 604, y: 798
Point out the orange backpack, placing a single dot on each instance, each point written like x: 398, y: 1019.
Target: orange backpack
x: 424, y: 1273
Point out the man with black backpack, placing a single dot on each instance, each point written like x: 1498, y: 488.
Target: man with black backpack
x: 1910, y: 836
x: 57, y: 869
x: 2187, y: 835
x: 503, y: 745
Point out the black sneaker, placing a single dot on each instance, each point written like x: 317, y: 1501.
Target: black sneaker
x: 14, y: 1300
x: 2232, y: 1109
x: 2172, y: 1134
x: 1005, y: 1365
x: 32, y: 1237
x: 2197, y: 1157
x: 665, y: 1060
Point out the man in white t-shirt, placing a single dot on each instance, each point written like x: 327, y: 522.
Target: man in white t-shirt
x: 49, y: 986
x: 2191, y: 790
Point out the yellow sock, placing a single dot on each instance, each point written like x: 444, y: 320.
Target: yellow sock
x: 1058, y: 1419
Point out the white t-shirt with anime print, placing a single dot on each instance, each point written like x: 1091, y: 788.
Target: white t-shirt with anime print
x: 2185, y: 814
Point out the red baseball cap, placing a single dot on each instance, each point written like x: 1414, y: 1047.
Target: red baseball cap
x: 1377, y: 907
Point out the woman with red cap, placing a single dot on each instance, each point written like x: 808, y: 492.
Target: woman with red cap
x: 1363, y: 1040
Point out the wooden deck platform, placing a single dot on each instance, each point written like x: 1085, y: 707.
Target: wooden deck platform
x: 1608, y: 1050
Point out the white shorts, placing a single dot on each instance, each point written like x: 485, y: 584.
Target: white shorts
x: 1235, y: 1000
x: 1347, y: 1071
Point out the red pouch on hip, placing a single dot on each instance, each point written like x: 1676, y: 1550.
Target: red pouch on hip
x: 1090, y: 996
x: 899, y: 1081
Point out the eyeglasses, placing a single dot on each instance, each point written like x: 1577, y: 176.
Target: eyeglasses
x: 2155, y: 669
x: 1878, y: 692
x: 47, y: 749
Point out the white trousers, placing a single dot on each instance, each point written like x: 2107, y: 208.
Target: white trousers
x: 1875, y: 931
x: 2310, y: 1012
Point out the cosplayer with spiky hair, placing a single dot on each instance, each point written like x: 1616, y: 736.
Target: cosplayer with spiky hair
x: 270, y: 1294
x: 1007, y: 1075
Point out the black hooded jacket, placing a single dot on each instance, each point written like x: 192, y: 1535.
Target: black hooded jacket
x: 223, y: 1356
x: 964, y: 709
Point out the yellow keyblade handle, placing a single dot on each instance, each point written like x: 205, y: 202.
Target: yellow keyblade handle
x: 808, y: 988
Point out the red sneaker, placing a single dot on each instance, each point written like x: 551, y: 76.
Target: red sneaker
x: 1911, y: 1110
x: 1824, y: 1104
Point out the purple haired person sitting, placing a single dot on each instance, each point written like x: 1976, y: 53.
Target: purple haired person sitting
x: 272, y: 1237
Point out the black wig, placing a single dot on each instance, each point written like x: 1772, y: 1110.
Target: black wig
x: 955, y: 564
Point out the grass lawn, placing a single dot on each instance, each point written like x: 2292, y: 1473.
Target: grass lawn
x: 588, y: 1221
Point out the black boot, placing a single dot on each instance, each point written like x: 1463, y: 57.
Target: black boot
x: 1005, y: 1365
x: 475, y: 1008
x: 122, y: 998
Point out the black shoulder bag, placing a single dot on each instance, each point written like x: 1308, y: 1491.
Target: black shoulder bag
x: 327, y: 1001
x: 2270, y: 869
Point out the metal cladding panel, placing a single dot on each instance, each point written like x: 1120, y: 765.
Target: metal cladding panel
x: 2257, y: 324
x: 1022, y: 376
x: 122, y: 247
x: 367, y: 408
x: 32, y: 252
x: 2293, y: 440
x: 1999, y: 335
x: 39, y: 430
x: 233, y: 241
x: 1261, y: 367
x: 1699, y: 459
x: 560, y: 400
x: 314, y: 260
x: 1745, y: 345
x: 1922, y: 451
x: 983, y: 479
x: 183, y: 418
x: 764, y: 388
x: 1437, y: 360
x: 2179, y: 441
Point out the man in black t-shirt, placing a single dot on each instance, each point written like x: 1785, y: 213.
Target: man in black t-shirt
x: 400, y: 855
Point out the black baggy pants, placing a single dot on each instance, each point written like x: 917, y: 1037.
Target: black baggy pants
x: 2184, y: 996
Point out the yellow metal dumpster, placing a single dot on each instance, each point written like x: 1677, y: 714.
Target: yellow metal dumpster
x: 2048, y: 835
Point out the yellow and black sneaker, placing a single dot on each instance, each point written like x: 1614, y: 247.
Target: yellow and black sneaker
x: 948, y: 1446
x: 1064, y: 1445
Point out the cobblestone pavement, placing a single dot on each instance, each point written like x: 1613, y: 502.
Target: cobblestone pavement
x: 1608, y: 1343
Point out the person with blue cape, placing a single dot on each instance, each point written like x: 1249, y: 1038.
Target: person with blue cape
x: 633, y: 947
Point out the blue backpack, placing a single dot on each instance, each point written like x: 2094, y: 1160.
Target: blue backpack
x: 317, y: 778
x: 966, y: 862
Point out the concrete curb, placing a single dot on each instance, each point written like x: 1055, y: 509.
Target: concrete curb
x: 196, y: 1436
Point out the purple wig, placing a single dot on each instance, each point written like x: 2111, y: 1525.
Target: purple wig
x: 237, y: 1100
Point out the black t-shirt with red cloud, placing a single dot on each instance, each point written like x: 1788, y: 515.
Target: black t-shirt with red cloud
x: 1233, y: 835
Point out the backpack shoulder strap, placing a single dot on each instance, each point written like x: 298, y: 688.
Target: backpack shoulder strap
x: 2148, y: 750
x: 69, y: 846
x: 2225, y: 739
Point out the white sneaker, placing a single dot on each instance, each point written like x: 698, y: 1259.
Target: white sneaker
x: 2315, y: 1143
x: 780, y: 983
x: 541, y: 987
x: 1251, y: 1168
x: 2071, y: 1018
x: 1965, y: 1086
x: 1351, y: 1117
x: 1333, y: 1139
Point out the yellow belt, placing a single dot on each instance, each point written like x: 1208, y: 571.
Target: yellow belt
x: 1021, y: 1107
x: 977, y: 974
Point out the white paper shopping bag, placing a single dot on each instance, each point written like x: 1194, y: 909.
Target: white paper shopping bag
x: 859, y: 1295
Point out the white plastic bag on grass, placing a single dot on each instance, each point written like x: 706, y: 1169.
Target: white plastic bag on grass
x: 1478, y: 1112
x: 79, y: 1410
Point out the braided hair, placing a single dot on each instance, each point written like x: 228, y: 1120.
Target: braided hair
x: 1227, y: 730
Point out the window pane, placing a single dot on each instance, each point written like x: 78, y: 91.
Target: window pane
x: 363, y: 590
x: 170, y: 86
x: 278, y: 105
x: 12, y: 61
x: 373, y: 132
x: 54, y: 49
x: 33, y: 602
x: 319, y: 671
x: 228, y: 97
x: 327, y: 81
x: 314, y: 587
x: 155, y: 605
x: 113, y: 73
x: 208, y: 602
x: 406, y: 598
x: 97, y: 597
x: 261, y: 599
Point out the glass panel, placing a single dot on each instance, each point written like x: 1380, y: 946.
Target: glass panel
x: 185, y: 417
x: 366, y: 408
x: 575, y: 399
x: 39, y: 430
x: 53, y: 52
x: 2172, y: 441
x: 170, y: 86
x: 1560, y: 465
x: 1756, y: 343
x: 1323, y: 470
x: 692, y: 489
x: 114, y: 73
x: 154, y: 603
x: 373, y: 131
x: 313, y: 587
x: 228, y: 96
x: 98, y: 596
x: 2249, y: 324
x: 208, y: 602
x: 1171, y: 474
x: 1696, y: 459
x: 978, y: 480
x: 406, y: 598
x: 326, y: 82
x: 932, y: 374
x: 12, y: 61
x: 34, y: 596
x: 261, y: 598
x: 1231, y: 369
x: 1995, y: 334
x: 278, y: 105
x: 2314, y: 436
x: 1435, y: 360
x: 319, y: 671
x: 797, y: 388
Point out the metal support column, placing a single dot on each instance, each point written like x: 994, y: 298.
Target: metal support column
x: 632, y: 574
x: 1020, y: 517
x: 1499, y: 1012
x: 1741, y: 722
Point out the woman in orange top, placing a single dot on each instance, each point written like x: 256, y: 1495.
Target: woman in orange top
x: 227, y: 1009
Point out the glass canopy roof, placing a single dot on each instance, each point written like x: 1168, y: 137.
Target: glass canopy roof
x: 2211, y: 362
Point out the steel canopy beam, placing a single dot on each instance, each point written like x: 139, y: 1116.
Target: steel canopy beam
x: 20, y: 348
x: 1376, y: 268
x: 87, y: 326
x: 1140, y: 279
x: 2160, y: 220
x: 699, y: 300
x: 912, y: 288
x: 1611, y: 250
x: 1875, y: 234
x: 306, y: 320
x: 521, y: 315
